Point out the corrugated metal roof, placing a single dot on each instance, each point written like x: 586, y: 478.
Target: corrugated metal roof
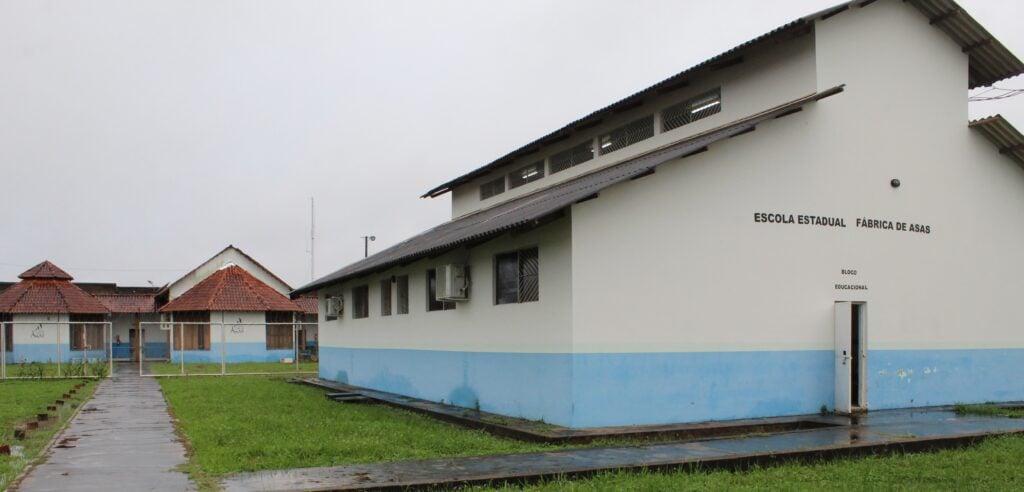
x: 989, y: 62
x: 528, y: 210
x: 1000, y: 132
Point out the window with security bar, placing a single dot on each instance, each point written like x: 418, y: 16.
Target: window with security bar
x: 402, y: 294
x: 626, y: 135
x: 571, y: 157
x: 517, y: 277
x: 526, y: 174
x: 492, y: 188
x: 691, y: 110
x: 385, y: 297
x: 361, y: 302
x: 279, y: 336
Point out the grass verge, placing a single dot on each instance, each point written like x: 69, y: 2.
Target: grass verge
x: 21, y: 401
x: 249, y: 423
x: 989, y: 409
x: 994, y: 464
x: 232, y: 368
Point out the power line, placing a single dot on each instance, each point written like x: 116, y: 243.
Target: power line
x: 22, y: 265
x: 1001, y: 93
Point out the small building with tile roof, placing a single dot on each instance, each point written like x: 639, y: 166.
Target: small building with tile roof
x: 47, y: 318
x: 234, y: 315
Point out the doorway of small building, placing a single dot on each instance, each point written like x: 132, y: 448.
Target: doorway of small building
x: 850, y: 356
x: 134, y: 341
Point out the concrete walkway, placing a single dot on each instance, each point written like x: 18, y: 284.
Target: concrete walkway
x: 123, y: 439
x: 902, y: 430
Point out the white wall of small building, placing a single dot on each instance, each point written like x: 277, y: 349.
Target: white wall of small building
x: 231, y: 256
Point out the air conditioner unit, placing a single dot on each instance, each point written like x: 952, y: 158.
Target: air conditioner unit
x: 335, y: 306
x: 452, y: 283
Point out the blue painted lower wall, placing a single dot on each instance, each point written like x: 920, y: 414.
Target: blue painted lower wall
x: 26, y: 352
x: 533, y: 386
x: 235, y: 352
x: 916, y: 378
x: 588, y: 390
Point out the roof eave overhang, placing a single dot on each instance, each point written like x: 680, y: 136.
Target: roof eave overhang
x: 536, y: 208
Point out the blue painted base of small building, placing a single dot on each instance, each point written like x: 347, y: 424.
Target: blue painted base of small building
x: 594, y: 390
x: 233, y: 352
x: 27, y: 353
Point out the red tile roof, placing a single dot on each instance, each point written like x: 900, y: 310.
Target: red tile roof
x: 309, y: 305
x: 45, y: 270
x: 128, y: 303
x: 48, y: 295
x: 231, y: 289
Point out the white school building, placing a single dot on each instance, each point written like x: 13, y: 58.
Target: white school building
x: 808, y: 220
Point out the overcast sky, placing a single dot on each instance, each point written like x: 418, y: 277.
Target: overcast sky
x: 138, y: 138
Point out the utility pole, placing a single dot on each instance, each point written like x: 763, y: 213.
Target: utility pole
x: 366, y: 244
x: 312, y: 238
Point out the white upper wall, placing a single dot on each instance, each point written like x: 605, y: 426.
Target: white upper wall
x: 233, y: 256
x: 477, y: 324
x: 676, y: 262
x: 768, y: 76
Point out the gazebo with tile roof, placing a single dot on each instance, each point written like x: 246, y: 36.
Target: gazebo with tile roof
x: 234, y: 308
x: 47, y: 318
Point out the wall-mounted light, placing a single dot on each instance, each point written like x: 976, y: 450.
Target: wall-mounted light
x: 895, y: 183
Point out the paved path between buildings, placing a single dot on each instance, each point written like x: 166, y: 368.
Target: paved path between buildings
x: 123, y: 439
x: 879, y: 431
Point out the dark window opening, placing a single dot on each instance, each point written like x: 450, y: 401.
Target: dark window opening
x: 385, y: 297
x: 192, y: 330
x: 8, y: 332
x: 526, y: 174
x: 855, y: 355
x: 691, y: 110
x: 432, y: 303
x: 571, y: 157
x: 626, y: 135
x: 492, y: 188
x: 279, y: 336
x: 517, y: 277
x: 89, y: 333
x: 402, y: 286
x: 361, y: 301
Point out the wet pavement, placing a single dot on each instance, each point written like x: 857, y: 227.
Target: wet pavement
x: 903, y: 430
x: 122, y: 439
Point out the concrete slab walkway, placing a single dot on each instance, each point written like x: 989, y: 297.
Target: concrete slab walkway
x: 122, y: 439
x: 878, y: 431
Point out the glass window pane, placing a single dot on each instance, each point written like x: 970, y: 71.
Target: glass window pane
x: 403, y: 294
x: 526, y: 174
x: 506, y: 274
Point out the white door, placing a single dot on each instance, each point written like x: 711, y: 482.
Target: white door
x: 844, y: 356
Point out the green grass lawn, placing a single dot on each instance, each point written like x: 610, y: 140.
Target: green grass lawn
x: 232, y: 368
x: 49, y: 369
x: 989, y: 409
x: 22, y: 400
x: 995, y: 464
x: 248, y: 423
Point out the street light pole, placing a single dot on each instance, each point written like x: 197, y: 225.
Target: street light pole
x: 366, y: 244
